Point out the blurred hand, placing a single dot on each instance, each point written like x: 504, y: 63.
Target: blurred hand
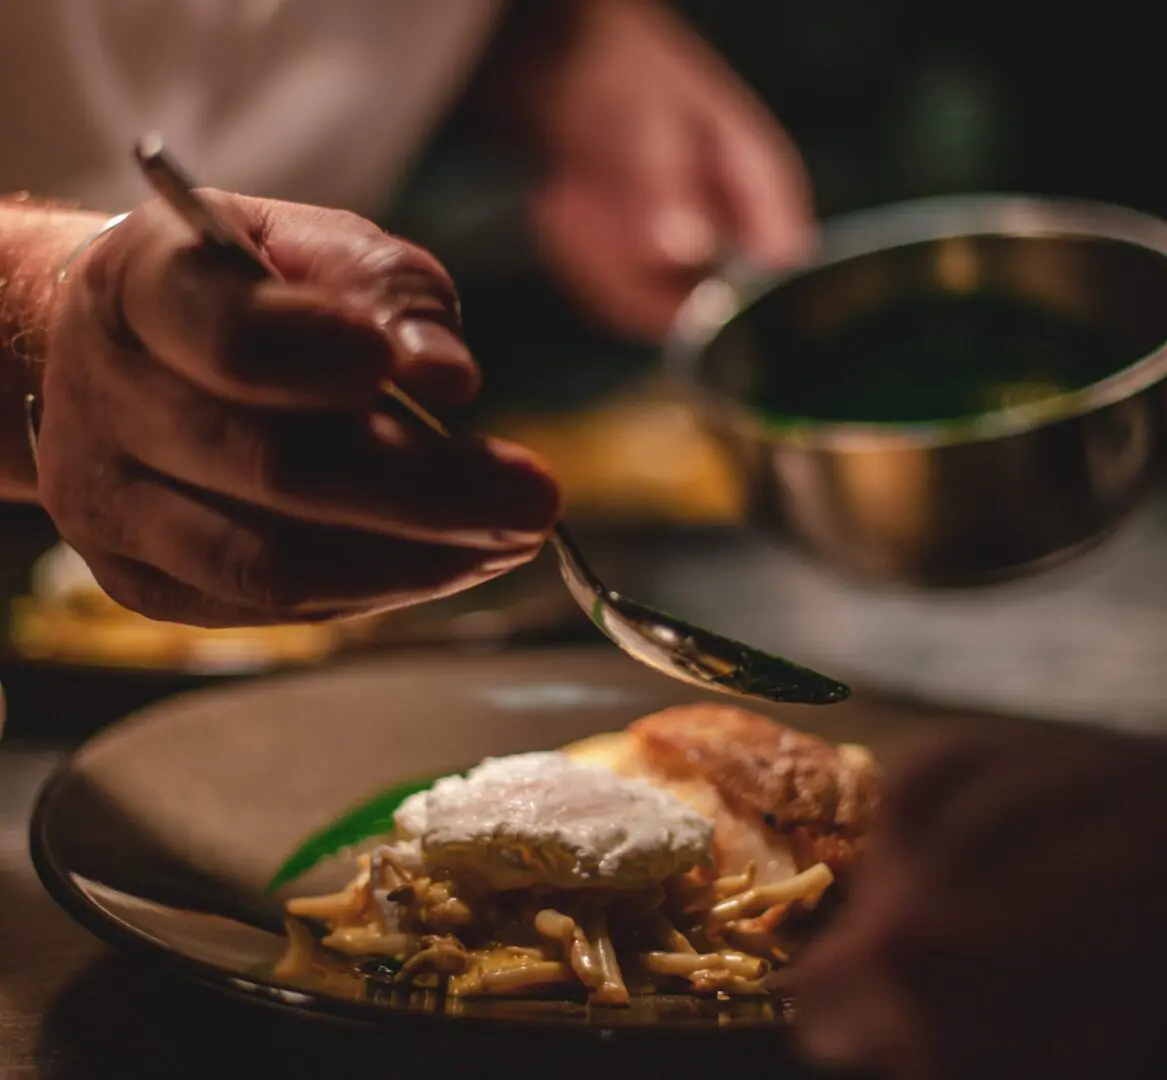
x: 208, y: 443
x: 660, y: 163
x: 1009, y: 921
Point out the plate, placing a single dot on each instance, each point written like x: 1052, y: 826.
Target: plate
x: 160, y: 832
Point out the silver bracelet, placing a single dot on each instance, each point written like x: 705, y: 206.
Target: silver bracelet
x: 32, y: 426
x: 111, y: 224
x: 32, y: 405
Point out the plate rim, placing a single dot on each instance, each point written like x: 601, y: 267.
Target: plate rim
x: 58, y: 883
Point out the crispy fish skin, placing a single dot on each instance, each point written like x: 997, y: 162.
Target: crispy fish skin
x: 819, y: 796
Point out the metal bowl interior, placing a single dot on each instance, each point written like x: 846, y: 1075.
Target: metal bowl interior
x: 912, y: 500
x: 1101, y: 265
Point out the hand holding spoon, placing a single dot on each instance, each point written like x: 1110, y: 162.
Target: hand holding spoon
x: 673, y: 647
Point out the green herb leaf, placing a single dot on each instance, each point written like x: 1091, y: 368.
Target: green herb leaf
x: 374, y: 817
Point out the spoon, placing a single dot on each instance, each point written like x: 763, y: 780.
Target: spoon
x: 671, y: 646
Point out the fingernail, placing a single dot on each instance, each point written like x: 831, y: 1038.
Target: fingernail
x: 525, y: 496
x: 434, y: 363
x: 426, y: 340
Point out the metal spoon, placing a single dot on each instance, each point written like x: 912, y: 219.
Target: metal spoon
x: 676, y: 648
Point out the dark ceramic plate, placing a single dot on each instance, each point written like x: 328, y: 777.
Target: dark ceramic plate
x: 160, y: 833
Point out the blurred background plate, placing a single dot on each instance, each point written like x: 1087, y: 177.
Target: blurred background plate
x: 79, y: 674
x: 1083, y: 642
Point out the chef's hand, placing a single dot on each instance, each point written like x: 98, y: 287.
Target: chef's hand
x: 659, y: 162
x: 208, y: 443
x: 1009, y: 921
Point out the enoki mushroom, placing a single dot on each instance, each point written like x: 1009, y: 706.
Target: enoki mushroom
x: 715, y: 938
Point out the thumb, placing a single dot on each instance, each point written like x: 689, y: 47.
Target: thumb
x: 764, y: 191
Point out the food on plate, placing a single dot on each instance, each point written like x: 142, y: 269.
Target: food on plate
x: 685, y: 854
x: 69, y: 617
x: 779, y: 798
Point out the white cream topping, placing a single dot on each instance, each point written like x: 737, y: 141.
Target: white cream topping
x: 541, y: 818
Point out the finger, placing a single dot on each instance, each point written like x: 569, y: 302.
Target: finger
x: 360, y: 314
x: 407, y: 291
x: 267, y: 342
x: 432, y: 363
x: 668, y: 217
x: 268, y: 566
x: 583, y: 237
x: 761, y: 186
x: 334, y: 470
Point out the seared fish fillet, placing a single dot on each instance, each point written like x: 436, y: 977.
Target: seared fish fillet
x: 779, y: 798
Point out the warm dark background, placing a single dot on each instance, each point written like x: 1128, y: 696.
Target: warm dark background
x: 894, y: 98
x: 888, y: 99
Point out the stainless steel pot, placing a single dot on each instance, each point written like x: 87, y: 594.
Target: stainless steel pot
x: 952, y: 502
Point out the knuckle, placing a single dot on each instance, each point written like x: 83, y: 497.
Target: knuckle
x: 405, y: 276
x: 86, y: 508
x: 98, y: 523
x: 251, y: 216
x: 259, y: 461
x: 346, y: 222
x: 372, y: 260
x: 256, y: 573
x: 371, y: 264
x: 265, y: 456
x: 331, y: 239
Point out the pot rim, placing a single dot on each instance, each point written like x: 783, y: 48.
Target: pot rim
x: 726, y: 294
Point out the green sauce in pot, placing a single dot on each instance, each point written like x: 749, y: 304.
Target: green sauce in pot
x: 938, y: 357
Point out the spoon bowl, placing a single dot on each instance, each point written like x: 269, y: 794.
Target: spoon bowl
x: 688, y: 653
